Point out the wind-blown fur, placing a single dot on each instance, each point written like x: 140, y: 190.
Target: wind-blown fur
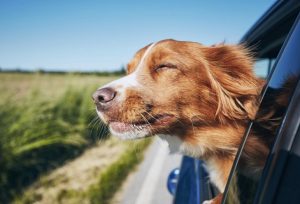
x: 201, y: 97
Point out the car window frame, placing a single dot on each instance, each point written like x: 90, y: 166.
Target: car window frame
x: 246, y: 134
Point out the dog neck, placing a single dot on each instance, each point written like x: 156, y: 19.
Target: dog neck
x: 204, y: 141
x: 215, y: 145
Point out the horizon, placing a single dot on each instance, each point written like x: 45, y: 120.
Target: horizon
x: 96, y: 36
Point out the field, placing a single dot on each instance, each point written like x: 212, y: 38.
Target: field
x: 47, y: 123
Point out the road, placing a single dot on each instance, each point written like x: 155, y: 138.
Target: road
x: 148, y: 184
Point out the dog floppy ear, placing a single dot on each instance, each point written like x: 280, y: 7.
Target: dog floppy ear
x: 230, y: 72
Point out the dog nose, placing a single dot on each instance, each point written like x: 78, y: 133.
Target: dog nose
x: 104, y: 95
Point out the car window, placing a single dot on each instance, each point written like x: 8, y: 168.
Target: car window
x: 261, y: 134
x: 263, y: 67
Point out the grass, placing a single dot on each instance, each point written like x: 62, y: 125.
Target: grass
x: 44, y: 121
x: 111, y: 179
x: 106, y: 182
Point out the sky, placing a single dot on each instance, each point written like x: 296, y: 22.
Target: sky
x: 98, y: 35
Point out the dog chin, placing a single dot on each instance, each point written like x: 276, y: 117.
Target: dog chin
x: 177, y: 145
x: 130, y: 135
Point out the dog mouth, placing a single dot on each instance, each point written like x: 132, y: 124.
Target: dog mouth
x: 161, y: 120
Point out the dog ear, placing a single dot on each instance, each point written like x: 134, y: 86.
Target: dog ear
x: 230, y: 72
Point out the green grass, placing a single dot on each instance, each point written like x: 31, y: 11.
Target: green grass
x: 108, y: 181
x: 44, y: 121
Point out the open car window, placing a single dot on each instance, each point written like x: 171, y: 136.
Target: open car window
x: 245, y: 177
x: 263, y: 67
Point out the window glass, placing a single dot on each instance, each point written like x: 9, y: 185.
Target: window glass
x: 243, y: 184
x: 262, y: 67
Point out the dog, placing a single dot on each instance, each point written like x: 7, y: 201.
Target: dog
x: 198, y: 98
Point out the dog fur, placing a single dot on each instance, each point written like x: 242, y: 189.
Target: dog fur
x: 198, y: 98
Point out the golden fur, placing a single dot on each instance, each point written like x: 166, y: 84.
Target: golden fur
x: 205, y: 95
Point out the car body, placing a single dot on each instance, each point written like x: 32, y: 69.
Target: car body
x: 275, y: 39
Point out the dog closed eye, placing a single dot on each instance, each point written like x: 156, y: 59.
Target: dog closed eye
x: 170, y: 84
x: 164, y: 66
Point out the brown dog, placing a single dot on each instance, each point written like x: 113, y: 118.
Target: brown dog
x: 198, y: 98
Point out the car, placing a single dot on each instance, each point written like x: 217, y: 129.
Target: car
x: 275, y: 40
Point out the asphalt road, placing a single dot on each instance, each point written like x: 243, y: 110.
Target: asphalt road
x: 148, y: 185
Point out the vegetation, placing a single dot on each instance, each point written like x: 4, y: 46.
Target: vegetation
x: 111, y: 179
x: 119, y: 72
x: 44, y: 121
x: 71, y: 184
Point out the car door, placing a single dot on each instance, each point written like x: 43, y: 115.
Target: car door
x: 280, y: 98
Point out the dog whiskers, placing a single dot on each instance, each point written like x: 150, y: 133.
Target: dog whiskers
x: 150, y: 115
x: 145, y: 119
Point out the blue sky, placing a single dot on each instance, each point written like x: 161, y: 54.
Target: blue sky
x: 104, y: 34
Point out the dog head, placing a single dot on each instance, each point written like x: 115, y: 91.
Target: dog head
x: 173, y: 86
